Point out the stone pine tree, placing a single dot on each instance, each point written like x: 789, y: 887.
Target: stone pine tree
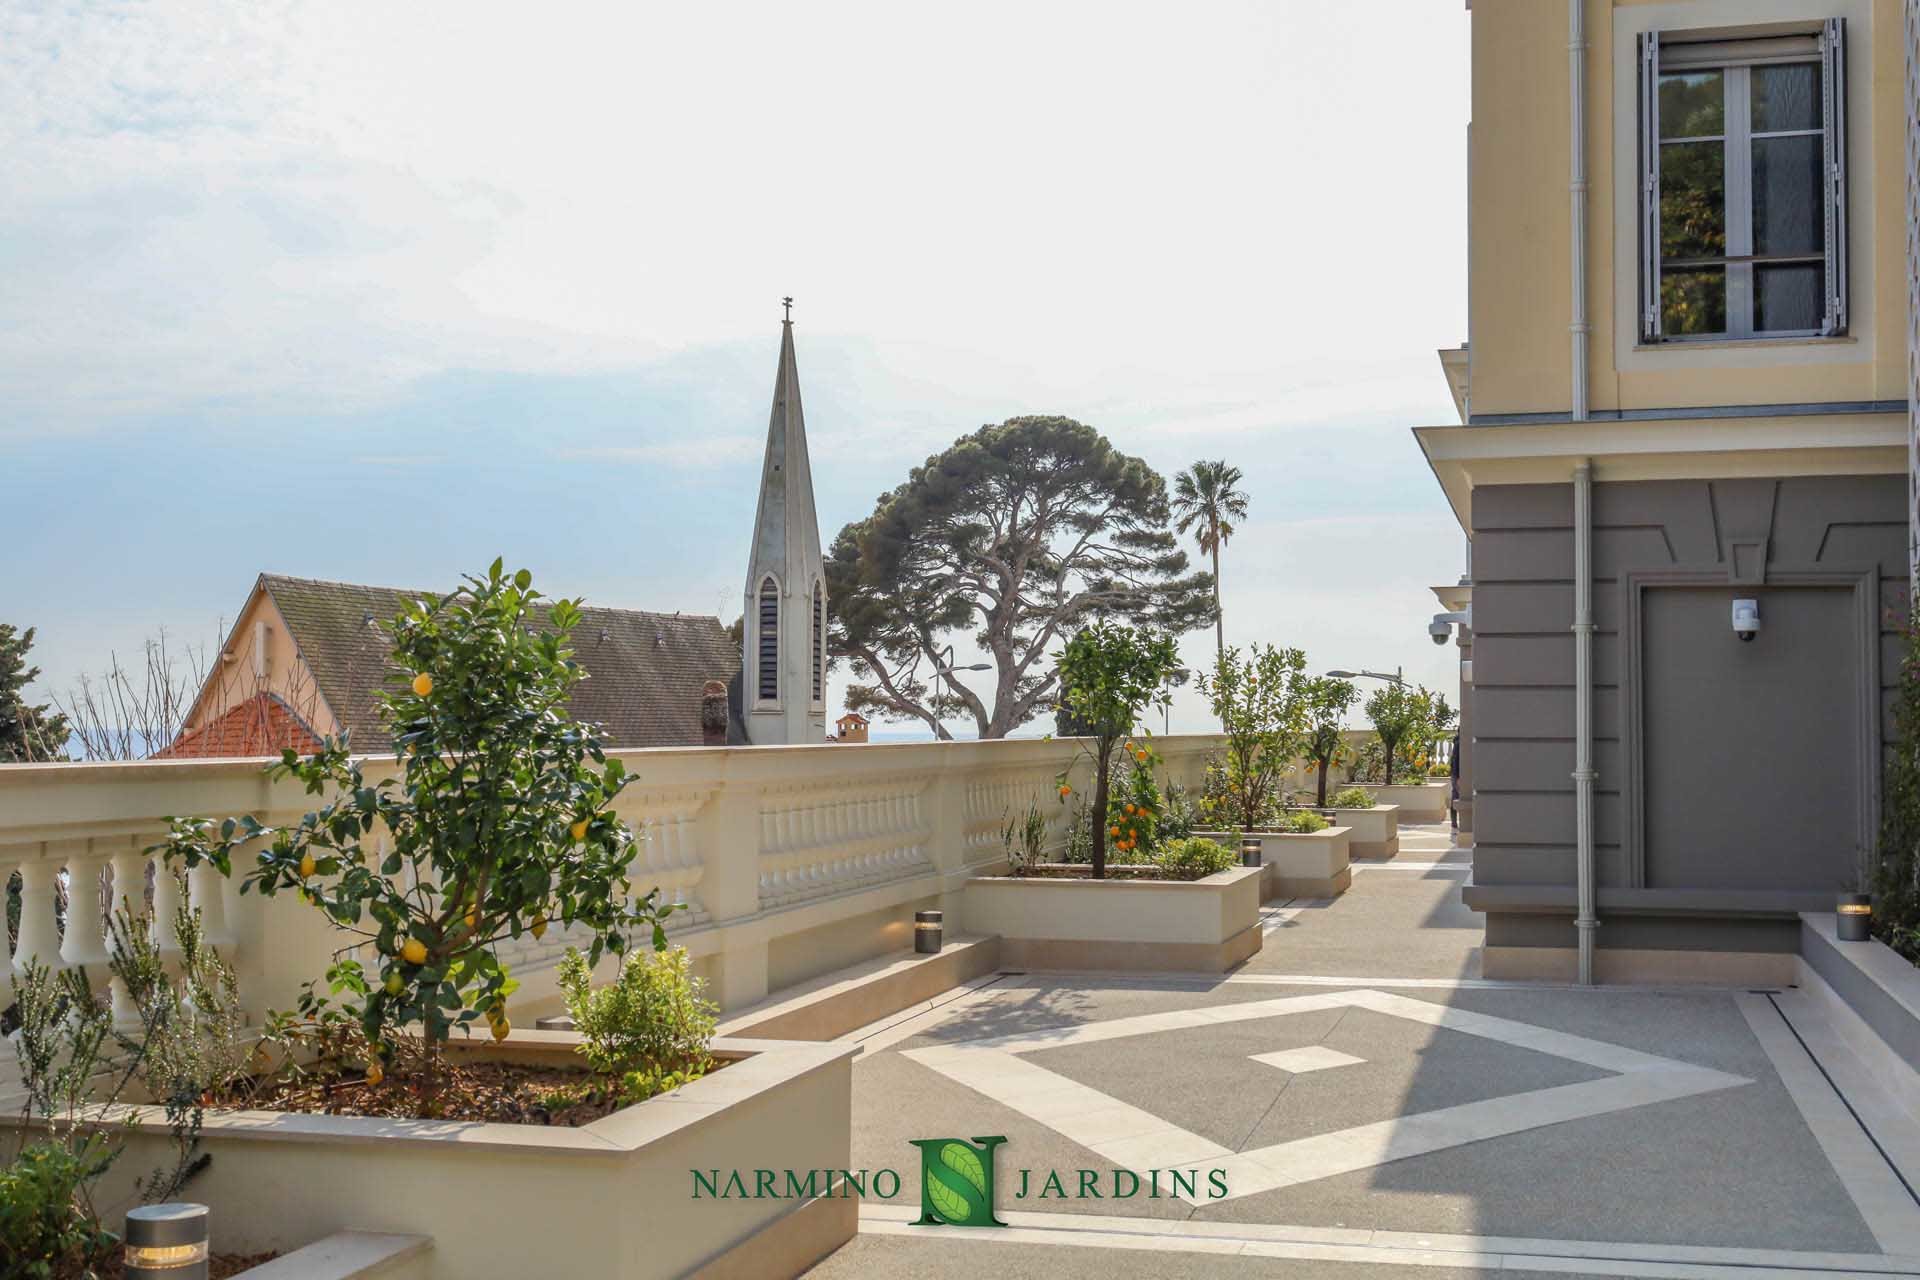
x: 1206, y: 501
x: 1015, y: 537
x: 28, y: 731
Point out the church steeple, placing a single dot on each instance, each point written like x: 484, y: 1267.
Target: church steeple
x: 783, y: 671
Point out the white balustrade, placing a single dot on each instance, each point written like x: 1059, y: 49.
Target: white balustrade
x: 736, y: 837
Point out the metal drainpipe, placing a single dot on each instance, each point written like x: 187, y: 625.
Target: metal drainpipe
x: 1586, y: 921
x: 1577, y: 196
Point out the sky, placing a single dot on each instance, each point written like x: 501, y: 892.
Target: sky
x: 376, y: 293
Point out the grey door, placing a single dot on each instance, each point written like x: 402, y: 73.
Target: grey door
x: 1750, y: 763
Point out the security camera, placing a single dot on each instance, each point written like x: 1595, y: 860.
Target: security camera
x: 1746, y: 618
x: 1443, y: 623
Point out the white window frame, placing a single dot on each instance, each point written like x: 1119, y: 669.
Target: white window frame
x: 1671, y: 51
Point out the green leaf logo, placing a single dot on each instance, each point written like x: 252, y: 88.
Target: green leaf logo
x: 950, y: 1205
x: 959, y: 1157
x: 956, y: 1180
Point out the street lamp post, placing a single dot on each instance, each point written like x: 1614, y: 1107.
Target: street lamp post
x: 1395, y: 678
x: 946, y: 669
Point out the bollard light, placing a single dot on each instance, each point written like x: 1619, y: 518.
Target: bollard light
x: 1250, y: 851
x: 926, y: 932
x: 1854, y: 917
x: 167, y: 1242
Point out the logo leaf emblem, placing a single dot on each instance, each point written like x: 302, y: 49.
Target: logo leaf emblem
x: 950, y: 1204
x: 960, y: 1158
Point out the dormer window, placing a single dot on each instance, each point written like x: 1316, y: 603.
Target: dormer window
x: 1743, y: 212
x: 767, y: 632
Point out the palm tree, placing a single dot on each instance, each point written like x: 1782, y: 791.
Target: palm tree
x: 1206, y: 498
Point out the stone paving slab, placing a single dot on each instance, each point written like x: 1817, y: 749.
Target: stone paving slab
x: 870, y: 1255
x: 1732, y: 1167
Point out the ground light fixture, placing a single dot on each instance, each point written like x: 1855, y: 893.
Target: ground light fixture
x: 1853, y: 917
x: 929, y: 927
x: 1250, y: 851
x: 167, y: 1242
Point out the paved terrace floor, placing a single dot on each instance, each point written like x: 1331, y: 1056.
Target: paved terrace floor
x: 1375, y: 1105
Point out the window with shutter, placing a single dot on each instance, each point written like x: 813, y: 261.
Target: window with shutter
x: 1743, y: 192
x: 768, y: 633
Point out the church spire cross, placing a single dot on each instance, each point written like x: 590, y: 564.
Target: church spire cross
x: 788, y: 304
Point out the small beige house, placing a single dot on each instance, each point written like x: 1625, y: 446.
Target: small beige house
x: 306, y: 659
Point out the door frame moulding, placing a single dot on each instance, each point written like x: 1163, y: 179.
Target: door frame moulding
x: 1864, y: 582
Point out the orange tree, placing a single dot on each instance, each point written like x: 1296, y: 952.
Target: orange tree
x: 1111, y: 673
x: 497, y: 825
x: 1262, y: 708
x: 1327, y: 701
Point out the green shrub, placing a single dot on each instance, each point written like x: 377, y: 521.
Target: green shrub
x: 654, y: 1019
x: 1194, y: 857
x: 1352, y: 798
x: 1178, y: 822
x: 1300, y: 822
x: 47, y: 1229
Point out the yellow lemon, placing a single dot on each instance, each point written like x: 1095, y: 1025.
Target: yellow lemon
x: 501, y: 1027
x: 395, y: 985
x: 374, y: 1074
x: 539, y: 927
x: 579, y: 831
x: 414, y: 951
x: 422, y: 685
x: 306, y: 866
x: 473, y: 920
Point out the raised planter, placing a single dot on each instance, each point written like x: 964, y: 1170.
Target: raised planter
x: 1872, y: 996
x: 611, y: 1199
x: 1376, y: 831
x: 1418, y: 801
x: 1300, y: 864
x: 1210, y: 924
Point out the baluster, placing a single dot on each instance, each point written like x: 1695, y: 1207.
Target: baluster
x: 86, y: 940
x: 167, y: 901
x: 206, y: 891
x: 39, y: 922
x: 10, y: 862
x: 130, y: 891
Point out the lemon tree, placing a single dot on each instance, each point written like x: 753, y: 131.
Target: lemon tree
x: 498, y: 824
x: 1263, y: 708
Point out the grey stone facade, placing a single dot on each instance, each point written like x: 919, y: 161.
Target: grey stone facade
x: 1736, y: 780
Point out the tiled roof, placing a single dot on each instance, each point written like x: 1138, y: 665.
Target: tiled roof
x: 263, y: 725
x: 644, y: 670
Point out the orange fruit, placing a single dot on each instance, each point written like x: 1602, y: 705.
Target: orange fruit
x: 395, y: 984
x: 374, y: 1074
x: 422, y: 685
x: 306, y: 866
x: 579, y: 831
x: 501, y: 1027
x: 414, y: 951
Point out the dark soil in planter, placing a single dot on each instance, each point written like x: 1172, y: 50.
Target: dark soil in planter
x: 497, y: 1092
x: 1084, y: 871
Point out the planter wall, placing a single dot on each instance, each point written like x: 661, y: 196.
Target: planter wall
x: 1300, y: 864
x: 1872, y: 997
x: 1419, y: 802
x: 1209, y: 924
x: 1376, y: 831
x: 611, y: 1199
